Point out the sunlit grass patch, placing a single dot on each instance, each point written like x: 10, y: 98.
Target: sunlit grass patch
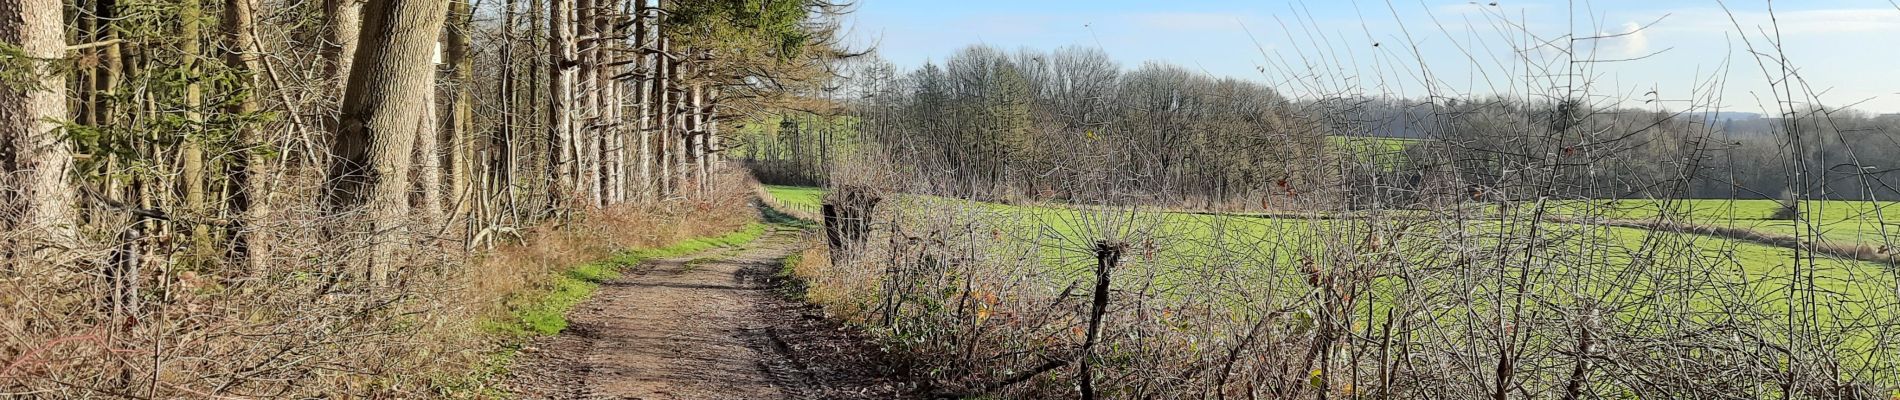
x: 797, y: 198
x: 545, y: 312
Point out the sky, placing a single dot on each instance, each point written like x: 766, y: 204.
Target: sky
x: 1660, y: 54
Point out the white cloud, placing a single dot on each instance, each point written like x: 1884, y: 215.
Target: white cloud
x: 1634, y: 41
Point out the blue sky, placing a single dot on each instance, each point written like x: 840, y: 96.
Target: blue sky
x: 1848, y: 51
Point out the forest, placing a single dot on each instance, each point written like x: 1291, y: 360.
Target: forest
x: 242, y: 198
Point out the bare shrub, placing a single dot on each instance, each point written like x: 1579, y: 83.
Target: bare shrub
x: 298, y: 332
x: 1490, y: 262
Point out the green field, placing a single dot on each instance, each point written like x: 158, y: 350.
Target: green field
x: 1386, y: 152
x: 1874, y: 224
x: 1058, y: 235
x: 1830, y: 221
x: 1711, y: 282
x: 798, y: 198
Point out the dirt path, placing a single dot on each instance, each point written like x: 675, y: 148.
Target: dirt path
x: 705, y: 326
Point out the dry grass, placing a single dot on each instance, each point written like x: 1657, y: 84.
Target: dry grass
x: 296, y: 332
x: 531, y: 263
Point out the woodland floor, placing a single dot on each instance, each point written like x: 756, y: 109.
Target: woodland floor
x: 713, y: 325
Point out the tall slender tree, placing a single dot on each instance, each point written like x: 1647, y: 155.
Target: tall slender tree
x: 461, y: 133
x: 197, y: 164
x: 247, y: 171
x: 646, y: 19
x: 561, y: 72
x: 664, y: 111
x: 502, y: 168
x: 701, y: 136
x: 587, y: 101
x: 36, y: 160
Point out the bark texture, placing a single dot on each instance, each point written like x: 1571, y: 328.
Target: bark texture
x: 247, y: 171
x: 561, y: 72
x: 461, y: 135
x: 36, y: 192
x: 386, y: 100
x: 344, y: 26
x: 649, y: 75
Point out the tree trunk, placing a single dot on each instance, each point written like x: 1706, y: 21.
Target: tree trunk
x: 584, y: 108
x: 561, y: 98
x: 461, y: 135
x: 682, y: 153
x: 344, y: 25
x: 502, y: 154
x: 34, y: 157
x: 385, y: 101
x: 714, y: 152
x: 664, y: 110
x: 648, y: 81
x: 197, y: 174
x: 246, y: 171
x: 614, y: 146
x: 428, y: 162
x: 537, y: 24
x: 701, y: 136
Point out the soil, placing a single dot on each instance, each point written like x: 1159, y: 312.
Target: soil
x: 714, y: 325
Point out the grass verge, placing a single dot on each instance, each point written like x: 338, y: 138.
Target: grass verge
x: 543, y: 312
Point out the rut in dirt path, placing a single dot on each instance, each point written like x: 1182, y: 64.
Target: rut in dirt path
x: 706, y: 326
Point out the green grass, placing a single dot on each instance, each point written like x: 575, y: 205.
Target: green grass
x: 1387, y: 152
x: 1832, y: 221
x: 1059, y: 233
x: 1715, y: 281
x: 1060, y: 237
x: 799, y: 198
x: 545, y: 313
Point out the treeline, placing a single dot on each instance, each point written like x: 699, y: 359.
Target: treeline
x: 997, y: 125
x: 1045, y: 125
x: 349, y: 148
x: 1817, y: 153
x: 1509, y: 149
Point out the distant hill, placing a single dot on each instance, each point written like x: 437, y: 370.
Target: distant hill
x: 1726, y: 116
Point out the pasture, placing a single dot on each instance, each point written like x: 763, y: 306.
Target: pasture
x: 798, y: 198
x: 1869, y: 223
x: 1386, y: 152
x: 1644, y: 276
